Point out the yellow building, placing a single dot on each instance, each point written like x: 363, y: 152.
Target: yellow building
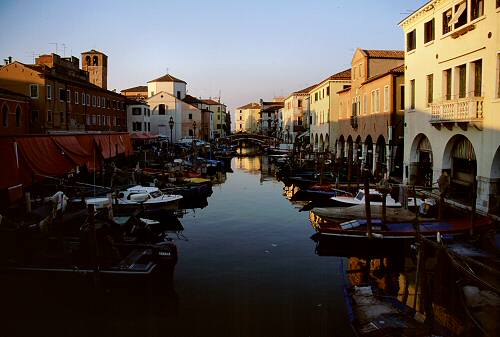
x: 452, y: 98
x: 247, y: 117
x: 324, y: 109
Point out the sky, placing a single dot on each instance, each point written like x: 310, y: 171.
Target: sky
x: 244, y: 50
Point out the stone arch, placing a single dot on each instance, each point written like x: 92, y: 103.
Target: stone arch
x: 315, y: 141
x: 321, y: 143
x: 95, y: 60
x: 459, y: 161
x: 494, y: 198
x: 5, y: 115
x: 350, y: 149
x: 380, y: 156
x: 327, y: 142
x: 421, y: 161
x: 341, y: 144
x: 18, y: 115
x: 359, y: 148
x: 87, y: 60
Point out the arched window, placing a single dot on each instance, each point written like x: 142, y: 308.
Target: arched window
x: 18, y: 116
x: 5, y: 116
x: 161, y: 109
x: 87, y: 60
x: 95, y: 61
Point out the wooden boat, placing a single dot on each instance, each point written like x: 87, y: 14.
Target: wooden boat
x: 357, y: 229
x: 320, y: 192
x: 335, y: 214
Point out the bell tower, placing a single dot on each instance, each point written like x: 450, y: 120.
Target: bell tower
x: 96, y: 63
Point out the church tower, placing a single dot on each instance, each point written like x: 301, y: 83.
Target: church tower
x: 96, y: 63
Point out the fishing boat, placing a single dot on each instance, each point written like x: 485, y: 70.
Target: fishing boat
x: 147, y: 197
x: 357, y: 230
x: 376, y: 199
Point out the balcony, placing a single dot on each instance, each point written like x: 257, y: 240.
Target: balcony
x: 462, y: 111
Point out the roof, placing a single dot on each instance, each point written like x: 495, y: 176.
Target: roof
x: 343, y: 75
x: 306, y: 90
x: 384, y: 54
x: 272, y: 108
x: 249, y: 106
x: 191, y: 100
x: 394, y: 71
x: 210, y: 101
x: 140, y: 88
x: 167, y: 78
x: 5, y: 92
x: 92, y: 51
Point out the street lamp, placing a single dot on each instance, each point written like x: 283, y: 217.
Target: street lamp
x: 194, y: 130
x: 171, y: 125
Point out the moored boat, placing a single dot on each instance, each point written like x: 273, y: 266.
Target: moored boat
x: 147, y: 197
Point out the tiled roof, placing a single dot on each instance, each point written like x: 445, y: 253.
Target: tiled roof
x: 191, y: 100
x: 398, y: 70
x: 272, y: 108
x: 343, y: 75
x: 7, y: 92
x: 210, y: 101
x: 306, y: 90
x: 385, y: 54
x: 141, y: 88
x: 249, y: 106
x: 167, y: 78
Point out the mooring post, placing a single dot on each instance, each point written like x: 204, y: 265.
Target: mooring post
x: 368, y: 211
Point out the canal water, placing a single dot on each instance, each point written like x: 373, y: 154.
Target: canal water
x: 247, y: 267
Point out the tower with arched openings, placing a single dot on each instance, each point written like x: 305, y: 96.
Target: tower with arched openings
x: 96, y: 63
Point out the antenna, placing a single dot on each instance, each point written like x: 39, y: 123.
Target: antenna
x: 64, y: 49
x: 219, y: 95
x: 56, y: 45
x: 167, y: 70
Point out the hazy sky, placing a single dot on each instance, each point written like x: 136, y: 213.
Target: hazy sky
x: 246, y: 49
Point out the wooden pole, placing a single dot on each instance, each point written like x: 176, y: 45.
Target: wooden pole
x: 367, y: 203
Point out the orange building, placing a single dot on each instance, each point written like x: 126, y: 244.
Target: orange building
x: 62, y: 97
x: 15, y: 109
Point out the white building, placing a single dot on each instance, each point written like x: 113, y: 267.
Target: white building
x: 138, y: 117
x: 295, y: 113
x: 452, y: 98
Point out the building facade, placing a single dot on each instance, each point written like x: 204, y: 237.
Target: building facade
x: 370, y: 123
x: 247, y: 118
x: 295, y: 113
x: 269, y: 122
x: 324, y: 110
x: 452, y: 100
x: 138, y: 117
x: 62, y: 98
x: 15, y: 109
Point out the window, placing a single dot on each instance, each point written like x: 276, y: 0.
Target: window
x: 62, y: 95
x: 98, y: 119
x: 93, y: 101
x: 360, y: 70
x: 191, y: 132
x: 430, y: 88
x: 412, y: 94
x: 68, y: 96
x: 34, y: 90
x: 136, y: 111
x: 315, y: 96
x: 429, y: 31
x: 241, y: 118
x: 178, y: 94
x: 328, y: 91
x: 498, y: 3
x: 478, y: 77
x: 83, y: 98
x: 18, y: 116
x: 49, y: 116
x: 95, y: 61
x: 61, y: 117
x: 447, y: 83
x: 462, y: 76
x: 190, y: 116
x: 386, y: 98
x: 299, y: 120
x: 365, y: 101
x: 460, y: 16
x: 76, y: 97
x: 411, y: 40
x: 99, y: 102
x: 402, y: 97
x: 477, y: 8
x: 5, y: 116
x: 241, y: 126
x: 103, y: 102
x: 149, y: 126
x: 446, y: 21
x: 299, y: 103
x: 49, y: 92
x: 161, y: 109
x: 498, y: 65
x: 87, y: 99
x: 34, y: 116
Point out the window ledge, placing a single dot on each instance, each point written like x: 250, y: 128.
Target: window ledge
x: 411, y: 51
x: 429, y: 43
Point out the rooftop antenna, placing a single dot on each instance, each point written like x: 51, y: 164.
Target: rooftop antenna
x: 167, y: 70
x: 64, y: 49
x: 32, y: 55
x: 219, y: 95
x: 56, y: 45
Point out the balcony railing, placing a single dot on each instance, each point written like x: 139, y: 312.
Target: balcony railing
x: 468, y: 109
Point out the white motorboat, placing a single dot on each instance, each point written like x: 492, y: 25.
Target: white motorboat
x: 148, y: 197
x: 376, y: 199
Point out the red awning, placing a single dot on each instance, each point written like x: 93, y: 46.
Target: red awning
x: 9, y: 170
x: 72, y: 148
